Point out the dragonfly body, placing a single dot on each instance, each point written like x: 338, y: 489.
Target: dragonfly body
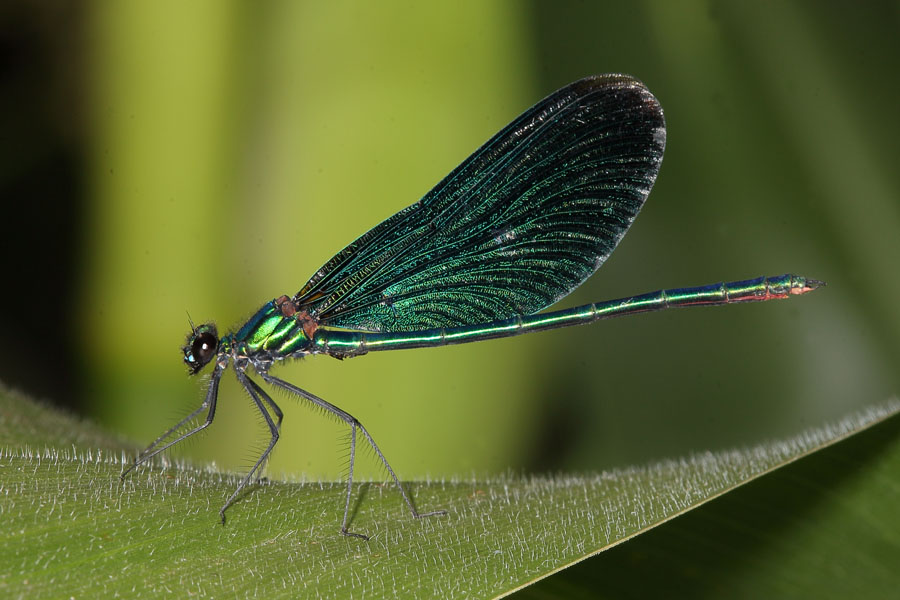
x: 517, y: 226
x: 276, y: 332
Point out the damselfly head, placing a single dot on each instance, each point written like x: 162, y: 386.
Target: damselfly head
x: 200, y: 347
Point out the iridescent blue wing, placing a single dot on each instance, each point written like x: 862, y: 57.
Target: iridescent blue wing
x: 514, y: 228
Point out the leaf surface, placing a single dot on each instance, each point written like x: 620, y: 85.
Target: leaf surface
x: 68, y: 525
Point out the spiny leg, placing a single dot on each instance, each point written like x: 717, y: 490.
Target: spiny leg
x: 275, y: 409
x: 354, y: 424
x: 258, y: 396
x: 279, y: 416
x: 209, y: 402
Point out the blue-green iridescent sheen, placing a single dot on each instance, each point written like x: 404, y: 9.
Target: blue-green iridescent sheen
x: 270, y: 331
x: 517, y: 226
x: 349, y: 343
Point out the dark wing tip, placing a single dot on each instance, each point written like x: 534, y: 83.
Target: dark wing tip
x: 627, y: 86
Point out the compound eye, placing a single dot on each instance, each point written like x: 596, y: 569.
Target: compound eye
x: 204, y: 347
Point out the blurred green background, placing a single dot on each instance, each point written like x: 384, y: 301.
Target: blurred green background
x: 164, y: 157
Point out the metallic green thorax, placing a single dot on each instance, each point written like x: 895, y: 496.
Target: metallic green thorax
x: 268, y: 332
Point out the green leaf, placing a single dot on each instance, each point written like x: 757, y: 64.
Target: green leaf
x: 823, y: 527
x: 69, y: 526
